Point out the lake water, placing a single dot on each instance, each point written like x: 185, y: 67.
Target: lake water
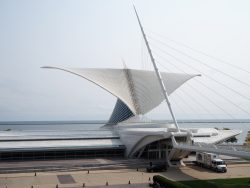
x: 93, y: 126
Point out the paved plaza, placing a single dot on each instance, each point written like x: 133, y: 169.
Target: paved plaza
x: 114, y: 178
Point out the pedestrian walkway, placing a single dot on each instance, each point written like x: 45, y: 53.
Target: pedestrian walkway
x: 114, y: 178
x: 211, y: 148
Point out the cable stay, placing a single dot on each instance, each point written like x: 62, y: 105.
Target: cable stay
x: 197, y: 91
x: 218, y: 94
x: 197, y: 60
x: 177, y: 105
x: 202, y: 106
x: 187, y: 105
x: 143, y: 58
x: 197, y: 70
x: 225, y: 98
x: 185, y: 102
x: 200, y: 52
x: 211, y: 101
x: 201, y: 62
x: 204, y: 96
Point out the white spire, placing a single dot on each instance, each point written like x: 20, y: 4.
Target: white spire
x: 164, y: 91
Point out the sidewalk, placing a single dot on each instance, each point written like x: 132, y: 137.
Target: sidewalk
x: 119, y: 178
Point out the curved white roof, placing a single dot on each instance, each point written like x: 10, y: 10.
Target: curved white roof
x: 138, y: 89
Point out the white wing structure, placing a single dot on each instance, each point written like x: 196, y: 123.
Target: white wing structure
x: 138, y: 89
x: 138, y: 92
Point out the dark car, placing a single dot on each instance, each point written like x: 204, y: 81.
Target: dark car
x: 157, y: 168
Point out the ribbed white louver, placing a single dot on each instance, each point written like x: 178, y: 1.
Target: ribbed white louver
x: 138, y: 89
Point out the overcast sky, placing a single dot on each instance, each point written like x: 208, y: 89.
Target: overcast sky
x: 96, y: 33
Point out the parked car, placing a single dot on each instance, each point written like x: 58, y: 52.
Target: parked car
x: 157, y: 167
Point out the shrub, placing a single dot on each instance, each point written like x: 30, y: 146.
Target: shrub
x: 168, y: 183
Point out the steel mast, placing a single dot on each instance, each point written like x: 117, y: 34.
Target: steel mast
x: 158, y: 74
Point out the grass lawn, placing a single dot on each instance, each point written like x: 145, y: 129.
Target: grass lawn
x: 218, y: 183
